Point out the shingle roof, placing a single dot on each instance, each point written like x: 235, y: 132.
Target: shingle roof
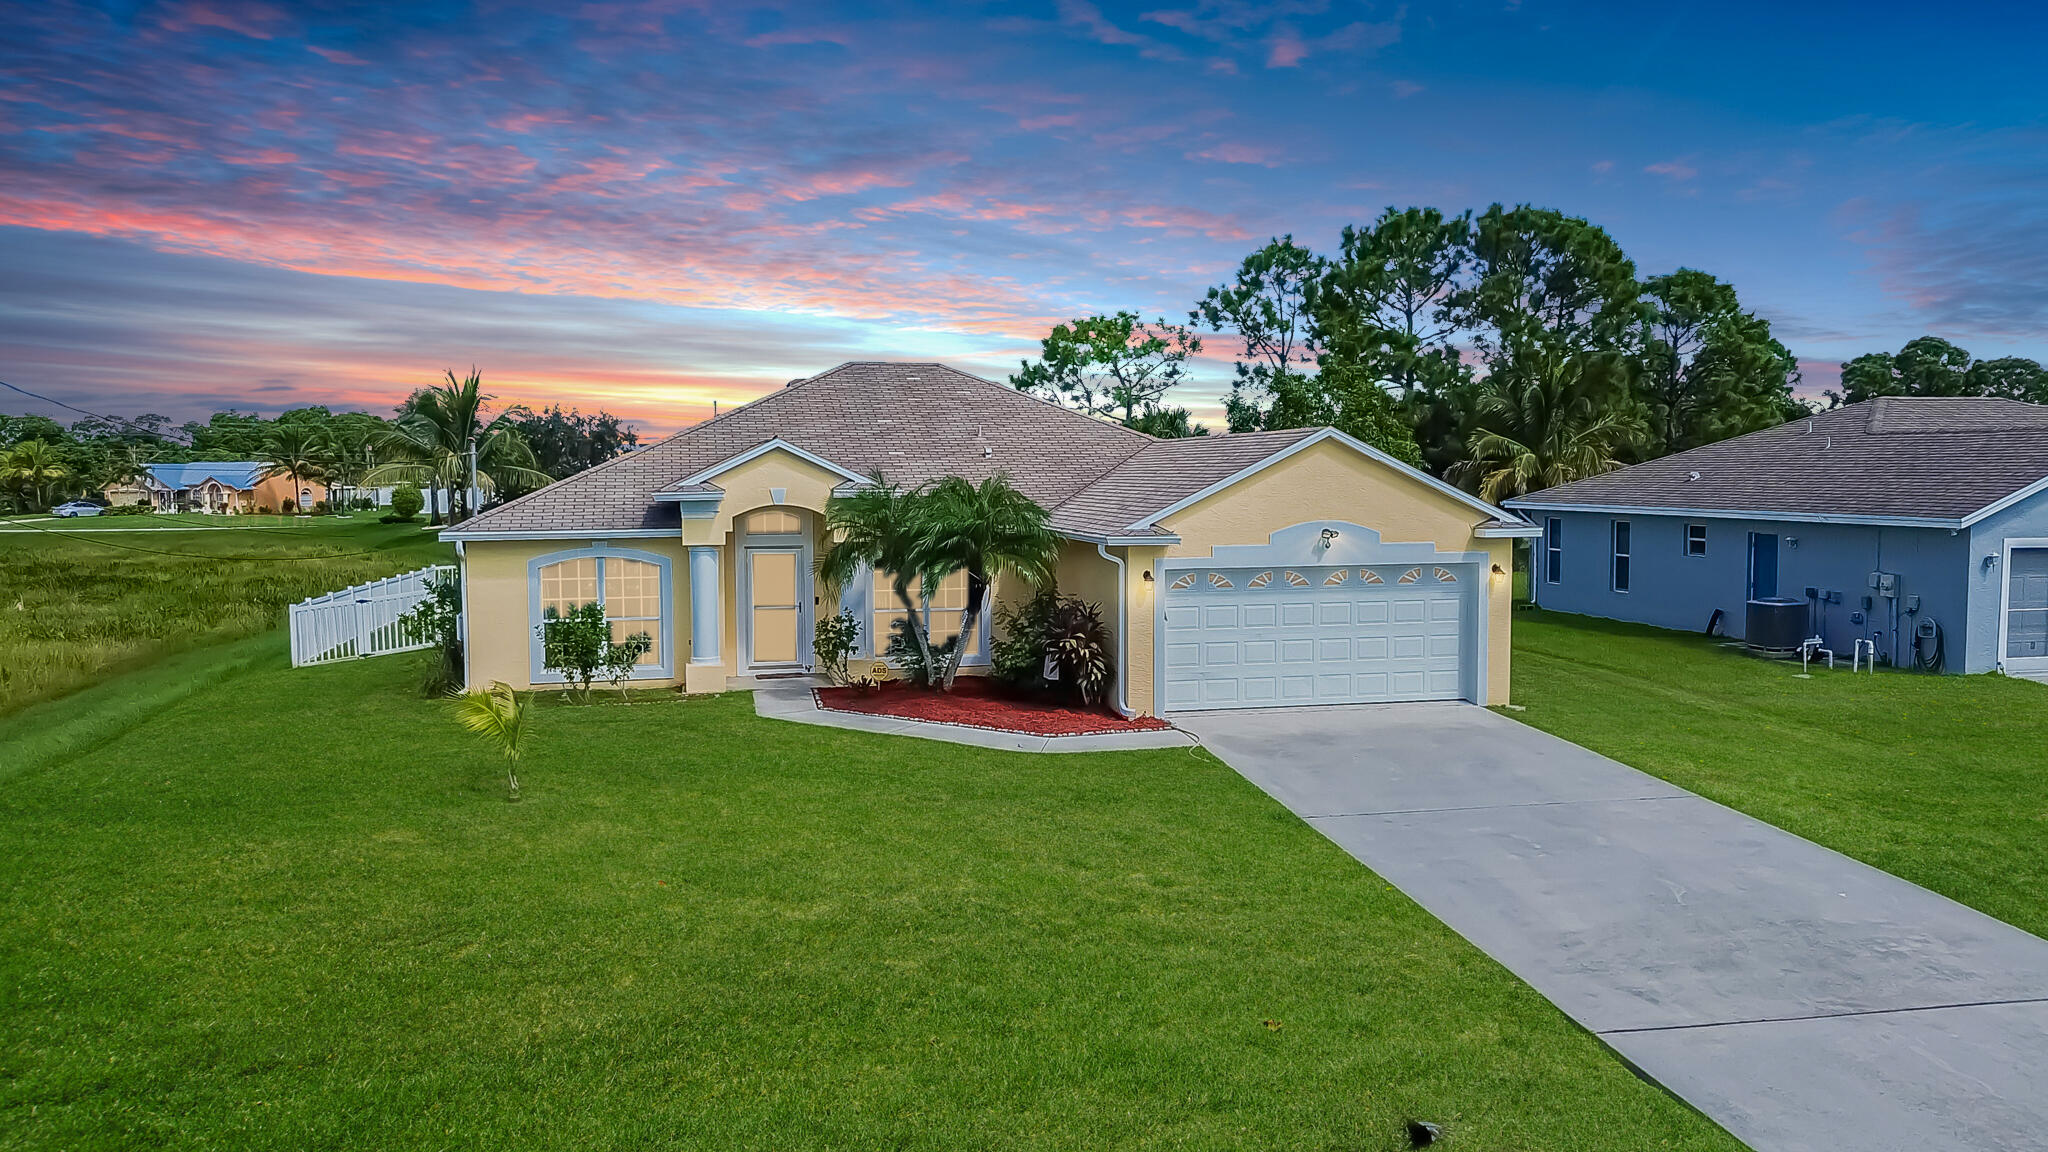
x: 1896, y: 457
x: 913, y: 422
x: 237, y: 474
x: 1162, y: 472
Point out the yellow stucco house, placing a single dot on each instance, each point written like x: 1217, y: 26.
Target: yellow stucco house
x: 1254, y: 570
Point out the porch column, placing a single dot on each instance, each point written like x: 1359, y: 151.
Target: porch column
x: 704, y: 607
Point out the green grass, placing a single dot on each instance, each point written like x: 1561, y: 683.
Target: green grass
x: 75, y: 609
x: 293, y: 910
x: 160, y: 520
x: 1938, y: 779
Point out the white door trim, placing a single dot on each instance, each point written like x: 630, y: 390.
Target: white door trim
x: 2026, y: 665
x: 746, y: 543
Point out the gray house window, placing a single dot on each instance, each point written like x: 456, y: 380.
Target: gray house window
x: 1553, y: 550
x: 1620, y: 569
x: 1695, y: 539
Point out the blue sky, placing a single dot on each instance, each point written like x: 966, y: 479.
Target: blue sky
x: 652, y: 207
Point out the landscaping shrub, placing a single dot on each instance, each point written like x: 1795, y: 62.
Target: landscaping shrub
x: 833, y: 642
x: 1065, y: 631
x: 127, y: 510
x: 579, y: 644
x: 290, y: 506
x: 1078, y: 643
x: 320, y: 508
x: 1016, y: 657
x: 406, y: 502
x: 437, y: 620
x: 266, y: 510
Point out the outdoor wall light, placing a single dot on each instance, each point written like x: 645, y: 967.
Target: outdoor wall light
x: 1990, y: 561
x: 1148, y: 575
x: 1329, y: 534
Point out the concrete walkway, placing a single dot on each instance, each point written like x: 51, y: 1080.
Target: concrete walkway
x: 794, y: 701
x: 1799, y: 998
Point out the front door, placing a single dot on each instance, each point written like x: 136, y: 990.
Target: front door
x: 775, y: 599
x: 2026, y: 612
x: 1763, y: 565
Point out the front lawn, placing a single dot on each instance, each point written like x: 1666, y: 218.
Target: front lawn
x: 1942, y: 780
x: 293, y: 910
x: 85, y: 599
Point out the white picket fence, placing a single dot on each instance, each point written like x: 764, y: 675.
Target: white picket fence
x: 360, y: 621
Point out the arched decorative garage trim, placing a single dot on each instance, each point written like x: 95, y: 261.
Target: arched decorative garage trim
x: 1223, y: 638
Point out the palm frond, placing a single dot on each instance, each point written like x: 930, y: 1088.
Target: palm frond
x: 499, y: 716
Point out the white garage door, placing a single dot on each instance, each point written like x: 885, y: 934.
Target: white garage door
x: 1265, y: 637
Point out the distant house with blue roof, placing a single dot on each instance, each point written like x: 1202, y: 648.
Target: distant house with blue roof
x: 223, y: 487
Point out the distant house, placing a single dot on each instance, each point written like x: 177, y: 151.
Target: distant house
x: 223, y: 487
x: 1909, y: 522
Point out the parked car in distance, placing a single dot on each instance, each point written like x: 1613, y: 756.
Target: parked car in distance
x: 75, y: 508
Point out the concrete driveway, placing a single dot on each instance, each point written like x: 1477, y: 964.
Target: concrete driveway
x: 1801, y: 999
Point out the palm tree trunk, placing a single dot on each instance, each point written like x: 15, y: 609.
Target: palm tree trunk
x: 916, y: 613
x: 970, y: 623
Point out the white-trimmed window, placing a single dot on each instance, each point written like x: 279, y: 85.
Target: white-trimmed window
x: 1553, y: 550
x: 632, y: 586
x: 1618, y: 571
x: 942, y: 612
x: 1695, y: 539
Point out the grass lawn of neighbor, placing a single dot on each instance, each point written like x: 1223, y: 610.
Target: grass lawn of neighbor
x: 1942, y: 780
x: 247, y: 907
x: 79, y: 602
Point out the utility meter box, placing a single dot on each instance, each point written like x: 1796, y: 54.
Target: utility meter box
x: 1886, y: 583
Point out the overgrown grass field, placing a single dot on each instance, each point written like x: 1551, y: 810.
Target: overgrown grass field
x: 314, y: 926
x: 79, y: 604
x: 1942, y: 780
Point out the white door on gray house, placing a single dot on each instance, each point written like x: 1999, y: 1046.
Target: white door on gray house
x: 2026, y: 611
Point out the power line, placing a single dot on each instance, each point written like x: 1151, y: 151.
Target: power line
x: 163, y: 433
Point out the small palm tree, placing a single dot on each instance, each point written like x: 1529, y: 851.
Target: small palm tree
x: 431, y: 444
x: 34, y: 467
x: 988, y: 530
x: 502, y: 718
x: 1548, y: 418
x: 875, y: 526
x: 297, y: 451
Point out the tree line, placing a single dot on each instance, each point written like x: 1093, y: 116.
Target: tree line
x: 1507, y: 351
x: 426, y: 442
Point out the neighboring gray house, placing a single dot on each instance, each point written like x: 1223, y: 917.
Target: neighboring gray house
x: 1898, y: 520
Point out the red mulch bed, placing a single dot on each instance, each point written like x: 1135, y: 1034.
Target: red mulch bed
x: 976, y: 703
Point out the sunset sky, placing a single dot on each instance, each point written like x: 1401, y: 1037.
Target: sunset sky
x: 648, y: 207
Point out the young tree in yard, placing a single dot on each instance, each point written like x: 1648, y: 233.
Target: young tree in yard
x: 503, y: 719
x: 297, y: 451
x: 876, y: 526
x: 1548, y: 419
x: 988, y: 530
x: 1268, y: 305
x: 1114, y: 366
x: 1711, y: 370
